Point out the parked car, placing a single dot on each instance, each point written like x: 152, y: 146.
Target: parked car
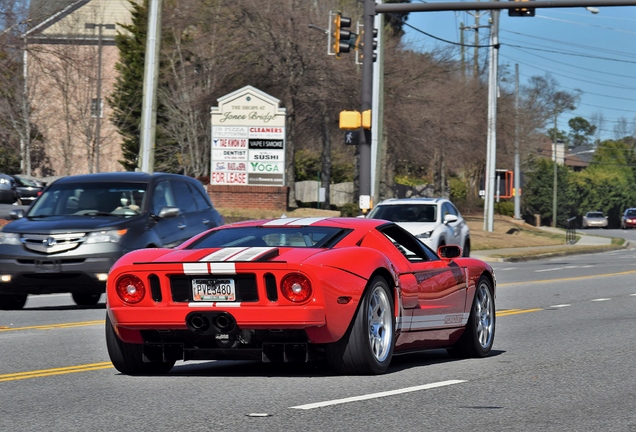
x: 69, y: 238
x: 628, y: 220
x: 352, y: 291
x: 28, y: 189
x: 8, y: 191
x: 594, y: 219
x: 435, y: 221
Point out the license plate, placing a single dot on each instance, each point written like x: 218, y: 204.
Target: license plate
x: 47, y: 266
x: 213, y: 290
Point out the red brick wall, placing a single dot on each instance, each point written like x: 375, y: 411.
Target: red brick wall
x: 249, y: 197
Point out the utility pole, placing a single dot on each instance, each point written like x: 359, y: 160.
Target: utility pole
x: 554, y: 181
x: 367, y: 96
x: 147, y: 138
x: 491, y: 151
x: 517, y: 172
x: 98, y: 104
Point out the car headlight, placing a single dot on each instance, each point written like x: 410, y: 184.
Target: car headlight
x: 425, y: 235
x: 111, y: 236
x: 9, y: 238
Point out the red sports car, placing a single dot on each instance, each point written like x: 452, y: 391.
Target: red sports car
x: 350, y: 291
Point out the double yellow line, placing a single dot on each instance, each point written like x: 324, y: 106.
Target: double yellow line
x: 54, y: 326
x: 55, y: 371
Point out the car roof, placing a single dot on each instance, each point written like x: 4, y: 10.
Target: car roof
x: 393, y: 201
x: 128, y: 176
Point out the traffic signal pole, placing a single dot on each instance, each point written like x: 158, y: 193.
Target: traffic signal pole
x: 367, y: 100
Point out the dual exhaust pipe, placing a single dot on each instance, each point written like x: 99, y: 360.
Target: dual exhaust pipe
x: 211, y: 323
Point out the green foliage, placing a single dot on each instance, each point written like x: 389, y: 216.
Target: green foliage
x: 349, y: 210
x: 580, y: 131
x: 606, y: 185
x: 9, y: 160
x: 458, y: 189
x: 506, y: 208
x: 409, y: 180
x: 308, y: 166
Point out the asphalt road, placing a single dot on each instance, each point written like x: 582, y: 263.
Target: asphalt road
x: 563, y: 359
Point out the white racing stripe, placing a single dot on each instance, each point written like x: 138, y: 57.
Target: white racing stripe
x: 377, y: 395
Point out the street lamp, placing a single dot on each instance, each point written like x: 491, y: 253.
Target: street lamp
x: 98, y: 123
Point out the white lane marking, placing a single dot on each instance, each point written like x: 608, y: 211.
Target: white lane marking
x: 548, y: 270
x: 506, y: 269
x: 563, y: 268
x: 601, y: 299
x: 633, y: 294
x: 560, y: 306
x: 377, y: 395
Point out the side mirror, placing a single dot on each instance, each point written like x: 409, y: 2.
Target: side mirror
x: 449, y: 251
x: 450, y: 218
x: 16, y: 214
x: 168, y: 212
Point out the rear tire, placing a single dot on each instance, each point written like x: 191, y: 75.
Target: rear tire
x: 479, y: 335
x: 86, y: 299
x: 12, y: 301
x: 367, y: 346
x: 128, y: 358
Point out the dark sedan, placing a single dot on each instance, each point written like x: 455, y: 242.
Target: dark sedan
x: 629, y: 218
x: 8, y: 192
x: 28, y: 190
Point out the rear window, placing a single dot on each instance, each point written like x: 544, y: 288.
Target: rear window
x: 405, y: 212
x: 595, y: 215
x: 301, y: 237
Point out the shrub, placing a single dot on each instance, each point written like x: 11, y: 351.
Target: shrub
x: 349, y: 210
x: 506, y: 208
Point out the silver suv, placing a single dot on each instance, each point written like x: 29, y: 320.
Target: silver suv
x: 67, y: 241
x: 435, y: 221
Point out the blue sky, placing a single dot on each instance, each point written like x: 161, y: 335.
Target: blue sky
x: 595, y: 53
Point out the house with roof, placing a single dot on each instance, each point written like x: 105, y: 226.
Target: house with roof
x: 70, y: 57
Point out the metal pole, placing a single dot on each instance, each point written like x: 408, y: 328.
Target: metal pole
x: 517, y: 172
x: 376, y: 111
x: 491, y: 154
x: 151, y: 76
x: 554, y: 181
x: 98, y: 125
x: 367, y: 96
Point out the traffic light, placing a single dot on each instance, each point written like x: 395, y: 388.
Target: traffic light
x: 359, y: 46
x: 521, y: 11
x: 341, y: 37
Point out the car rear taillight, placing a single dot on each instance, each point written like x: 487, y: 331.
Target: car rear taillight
x: 296, y: 287
x: 130, y: 289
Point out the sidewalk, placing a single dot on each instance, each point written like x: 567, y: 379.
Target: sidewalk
x: 585, y: 244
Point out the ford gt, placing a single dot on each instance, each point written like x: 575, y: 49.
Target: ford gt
x: 348, y: 291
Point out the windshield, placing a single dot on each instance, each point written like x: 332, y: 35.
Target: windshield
x: 405, y: 212
x: 303, y: 237
x: 630, y: 213
x: 118, y: 199
x: 595, y: 215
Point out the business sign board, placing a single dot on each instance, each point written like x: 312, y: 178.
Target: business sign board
x: 248, y: 139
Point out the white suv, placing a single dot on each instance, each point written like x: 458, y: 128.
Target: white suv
x: 435, y: 221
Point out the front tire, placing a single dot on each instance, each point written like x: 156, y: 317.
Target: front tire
x: 128, y: 358
x: 479, y: 335
x: 12, y: 301
x: 367, y: 346
x: 466, y: 248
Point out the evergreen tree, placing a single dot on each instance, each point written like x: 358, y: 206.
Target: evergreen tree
x: 127, y: 95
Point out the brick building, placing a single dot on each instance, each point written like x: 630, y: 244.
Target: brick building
x: 71, y: 56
